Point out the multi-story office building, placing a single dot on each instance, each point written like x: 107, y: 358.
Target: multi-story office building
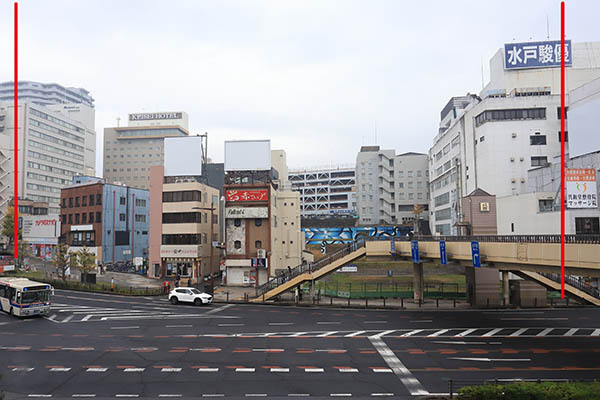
x: 45, y: 94
x: 110, y: 220
x: 490, y: 141
x: 388, y: 186
x: 130, y: 151
x: 325, y: 191
x: 56, y: 142
x: 262, y: 219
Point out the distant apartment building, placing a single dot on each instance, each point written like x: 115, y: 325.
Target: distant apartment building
x: 110, y: 220
x: 130, y: 151
x: 56, y: 142
x: 325, y: 191
x: 45, y: 94
x: 388, y: 186
x: 490, y: 141
x: 262, y: 218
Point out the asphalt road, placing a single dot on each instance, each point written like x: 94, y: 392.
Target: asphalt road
x: 104, y: 346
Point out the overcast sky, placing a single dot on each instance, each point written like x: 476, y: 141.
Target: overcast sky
x: 319, y: 78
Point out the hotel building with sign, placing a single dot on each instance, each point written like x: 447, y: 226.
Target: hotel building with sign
x: 130, y: 151
x: 262, y: 218
x: 110, y: 220
x: 492, y: 141
x: 57, y: 141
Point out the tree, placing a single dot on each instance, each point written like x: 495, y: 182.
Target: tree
x: 24, y: 251
x: 61, y: 260
x: 86, y: 260
x: 8, y: 225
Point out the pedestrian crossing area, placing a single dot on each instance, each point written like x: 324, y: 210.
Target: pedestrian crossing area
x: 63, y: 313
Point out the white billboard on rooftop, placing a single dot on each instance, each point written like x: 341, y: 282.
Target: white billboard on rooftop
x: 248, y: 155
x: 183, y: 156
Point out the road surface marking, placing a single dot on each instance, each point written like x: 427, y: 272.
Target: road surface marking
x: 571, y: 331
x: 422, y: 320
x: 596, y: 332
x: 383, y: 370
x: 298, y: 334
x: 208, y: 369
x: 169, y: 395
x: 492, y: 332
x: 96, y: 369
x: 461, y: 342
x: 170, y: 370
x: 298, y: 395
x: 280, y: 323
x: 60, y: 369
x: 545, y: 332
x: 384, y: 333
x: 340, y: 395
x: 38, y: 395
x: 280, y: 370
x: 375, y: 322
x: 213, y: 395
x: 490, y: 359
x: 328, y: 323
x: 127, y: 395
x: 244, y: 369
x: 134, y: 369
x: 269, y: 350
x: 412, y: 333
x: 438, y: 333
x: 22, y: 369
x: 327, y: 334
x: 216, y: 310
x: 84, y: 395
x: 348, y: 370
x: 124, y: 327
x: 355, y: 333
x: 465, y: 333
x: 518, y: 332
x: 314, y: 370
x: 231, y: 324
x: 382, y: 394
x: 533, y: 319
x: 255, y: 395
x: 406, y: 377
x: 178, y: 326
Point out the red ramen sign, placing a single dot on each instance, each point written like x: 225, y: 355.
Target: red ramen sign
x: 248, y: 195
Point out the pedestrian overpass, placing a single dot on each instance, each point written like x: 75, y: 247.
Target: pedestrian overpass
x: 533, y: 257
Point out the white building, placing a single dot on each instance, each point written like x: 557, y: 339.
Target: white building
x: 325, y: 191
x: 389, y: 185
x: 491, y: 141
x: 45, y: 94
x: 56, y: 142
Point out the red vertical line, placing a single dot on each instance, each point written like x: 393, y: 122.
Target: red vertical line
x: 114, y: 232
x: 133, y: 229
x: 16, y: 137
x: 562, y: 149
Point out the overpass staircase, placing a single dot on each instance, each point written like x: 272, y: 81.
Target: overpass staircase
x: 573, y: 286
x: 310, y: 272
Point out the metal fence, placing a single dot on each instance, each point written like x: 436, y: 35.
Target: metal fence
x: 382, y: 290
x: 576, y: 282
x: 581, y: 239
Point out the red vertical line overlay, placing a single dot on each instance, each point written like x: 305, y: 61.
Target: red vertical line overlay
x: 16, y: 138
x: 133, y: 230
x: 114, y: 232
x: 562, y: 149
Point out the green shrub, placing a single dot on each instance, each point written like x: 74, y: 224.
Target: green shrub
x: 533, y: 391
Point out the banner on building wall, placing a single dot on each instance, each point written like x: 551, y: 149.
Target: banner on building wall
x: 247, y: 212
x: 41, y: 226
x: 179, y: 251
x: 536, y: 54
x: 581, y: 188
x: 248, y: 195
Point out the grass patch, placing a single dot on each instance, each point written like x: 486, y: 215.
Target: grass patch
x: 533, y: 391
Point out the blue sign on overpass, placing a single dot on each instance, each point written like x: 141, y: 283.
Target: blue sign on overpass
x: 414, y: 250
x: 475, y: 254
x: 443, y: 257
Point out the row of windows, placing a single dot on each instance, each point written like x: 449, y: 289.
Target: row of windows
x: 158, y: 155
x: 47, y: 178
x: 57, y: 131
x: 55, y: 120
x: 184, y: 195
x: 183, y: 239
x: 84, y: 201
x: 83, y: 218
x: 45, y: 199
x: 140, y: 202
x: 510, y: 114
x: 442, y: 199
x: 43, y: 188
x: 410, y: 184
x: 184, y: 217
x: 443, y: 214
x: 56, y: 150
x: 151, y: 132
x: 48, y: 168
x: 257, y: 244
x: 55, y: 160
x: 140, y: 218
x: 52, y: 139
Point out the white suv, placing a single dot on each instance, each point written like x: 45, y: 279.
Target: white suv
x: 191, y: 295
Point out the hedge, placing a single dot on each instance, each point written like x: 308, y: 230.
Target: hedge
x: 533, y: 391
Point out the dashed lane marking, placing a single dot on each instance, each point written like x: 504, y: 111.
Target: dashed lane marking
x: 124, y: 327
x: 280, y: 323
x: 134, y: 369
x: 83, y: 395
x: 357, y: 333
x: 314, y: 370
x: 298, y: 395
x: 348, y: 370
x: 170, y: 395
x: 57, y: 369
x: 280, y: 370
x: 327, y: 334
x: 22, y: 369
x: 170, y: 370
x: 39, y: 395
x: 518, y: 332
x: 255, y: 395
x: 340, y: 395
x: 545, y: 332
x: 245, y: 369
x: 94, y: 369
x: 382, y: 394
x: 178, y: 326
x: 411, y: 333
x: 127, y: 395
x: 438, y: 333
x: 213, y: 395
x: 465, y: 333
x: 208, y: 369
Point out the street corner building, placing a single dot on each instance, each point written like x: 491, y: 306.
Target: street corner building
x: 110, y: 220
x: 262, y: 214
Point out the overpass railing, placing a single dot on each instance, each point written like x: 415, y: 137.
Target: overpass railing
x: 308, y: 267
x: 583, y: 239
x: 576, y: 282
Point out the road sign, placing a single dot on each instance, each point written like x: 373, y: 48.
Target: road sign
x: 443, y: 258
x: 414, y: 250
x: 392, y: 246
x: 390, y: 273
x: 475, y: 254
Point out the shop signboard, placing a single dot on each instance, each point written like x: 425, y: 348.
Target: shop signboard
x: 246, y: 212
x: 247, y: 195
x: 179, y: 251
x: 581, y: 188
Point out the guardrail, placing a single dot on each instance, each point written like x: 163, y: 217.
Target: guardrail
x: 575, y: 282
x: 308, y: 267
x: 583, y: 239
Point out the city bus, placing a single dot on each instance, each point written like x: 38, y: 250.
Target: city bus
x: 22, y: 297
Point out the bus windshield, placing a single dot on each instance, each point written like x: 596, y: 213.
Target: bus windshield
x: 35, y: 296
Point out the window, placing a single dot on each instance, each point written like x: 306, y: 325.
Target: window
x: 237, y: 222
x: 546, y: 205
x: 420, y: 196
x: 560, y: 137
x: 84, y: 218
x: 443, y: 214
x: 537, y: 139
x: 122, y: 200
x: 91, y: 199
x: 401, y: 185
x: 442, y: 199
x: 181, y: 239
x: 258, y: 222
x: 99, y: 199
x: 140, y: 218
x: 411, y: 196
x: 410, y: 185
x: 585, y: 225
x: 91, y: 218
x: 76, y: 219
x: 401, y: 174
x: 70, y: 219
x: 258, y: 244
x: 510, y: 114
x: 180, y: 218
x: 237, y: 244
x: 539, y: 161
x: 184, y: 195
x: 558, y: 113
x: 410, y: 174
x: 77, y: 201
x: 98, y: 216
x: 121, y: 217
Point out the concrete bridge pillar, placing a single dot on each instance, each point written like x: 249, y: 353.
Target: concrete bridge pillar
x: 418, y: 282
x: 505, y: 288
